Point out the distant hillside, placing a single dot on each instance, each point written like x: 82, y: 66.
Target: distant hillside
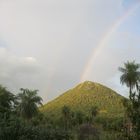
x: 86, y: 95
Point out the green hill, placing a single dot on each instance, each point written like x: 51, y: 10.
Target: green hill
x: 84, y: 96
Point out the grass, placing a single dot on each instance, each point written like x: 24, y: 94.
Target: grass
x: 83, y: 97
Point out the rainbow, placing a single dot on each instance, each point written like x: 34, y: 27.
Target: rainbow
x: 102, y: 44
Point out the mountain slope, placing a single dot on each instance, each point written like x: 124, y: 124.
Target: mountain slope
x: 86, y: 95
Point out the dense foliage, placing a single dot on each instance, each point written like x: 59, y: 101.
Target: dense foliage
x: 15, y: 113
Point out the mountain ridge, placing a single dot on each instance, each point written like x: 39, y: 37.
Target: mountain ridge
x: 85, y: 95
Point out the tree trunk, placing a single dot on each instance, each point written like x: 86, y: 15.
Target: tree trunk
x: 130, y: 93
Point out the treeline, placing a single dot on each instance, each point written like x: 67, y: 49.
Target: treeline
x: 21, y: 118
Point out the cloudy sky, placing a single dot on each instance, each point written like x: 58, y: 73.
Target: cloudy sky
x: 47, y: 44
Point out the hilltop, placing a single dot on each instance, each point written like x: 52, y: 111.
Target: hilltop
x: 84, y: 96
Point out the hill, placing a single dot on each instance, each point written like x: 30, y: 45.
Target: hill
x: 84, y: 96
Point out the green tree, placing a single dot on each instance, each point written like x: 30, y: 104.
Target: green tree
x: 130, y: 75
x: 133, y: 112
x: 6, y: 100
x: 28, y: 102
x: 79, y: 117
x: 66, y: 113
x: 88, y: 132
x: 93, y: 112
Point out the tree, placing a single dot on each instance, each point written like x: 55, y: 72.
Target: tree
x: 130, y: 75
x: 6, y: 100
x: 88, y: 132
x: 94, y: 112
x: 28, y: 103
x: 66, y: 113
x: 134, y: 113
x: 79, y: 117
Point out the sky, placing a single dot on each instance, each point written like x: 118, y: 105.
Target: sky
x: 47, y: 44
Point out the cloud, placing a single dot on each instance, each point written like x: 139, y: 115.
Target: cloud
x: 14, y: 67
x: 46, y: 43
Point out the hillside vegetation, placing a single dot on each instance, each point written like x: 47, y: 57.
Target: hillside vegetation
x: 83, y: 97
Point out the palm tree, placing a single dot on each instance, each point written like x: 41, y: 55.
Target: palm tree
x: 6, y: 100
x: 66, y: 115
x: 28, y: 103
x: 130, y: 75
x: 94, y: 112
x: 79, y: 117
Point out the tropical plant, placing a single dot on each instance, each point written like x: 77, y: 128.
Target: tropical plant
x: 130, y: 75
x: 28, y: 102
x: 6, y: 100
x: 133, y: 111
x: 79, y: 116
x: 93, y: 112
x: 66, y: 113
